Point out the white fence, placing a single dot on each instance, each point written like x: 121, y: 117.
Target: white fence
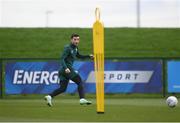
x: 80, y: 13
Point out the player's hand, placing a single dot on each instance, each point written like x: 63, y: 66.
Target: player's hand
x: 91, y: 56
x: 67, y: 70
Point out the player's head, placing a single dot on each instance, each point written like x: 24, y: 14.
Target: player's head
x: 75, y: 39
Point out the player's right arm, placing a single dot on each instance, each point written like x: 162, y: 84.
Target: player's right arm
x: 63, y: 59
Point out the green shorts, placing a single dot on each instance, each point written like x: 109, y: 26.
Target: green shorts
x: 67, y: 76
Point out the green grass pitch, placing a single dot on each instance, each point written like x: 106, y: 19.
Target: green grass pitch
x: 69, y: 109
x: 119, y: 42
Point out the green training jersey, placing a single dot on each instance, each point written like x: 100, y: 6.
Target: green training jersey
x: 68, y: 56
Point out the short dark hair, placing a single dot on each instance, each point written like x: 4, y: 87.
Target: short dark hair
x: 74, y: 35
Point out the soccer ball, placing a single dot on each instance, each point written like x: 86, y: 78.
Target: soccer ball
x: 171, y: 101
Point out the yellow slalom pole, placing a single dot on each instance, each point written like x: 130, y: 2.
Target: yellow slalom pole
x: 98, y: 47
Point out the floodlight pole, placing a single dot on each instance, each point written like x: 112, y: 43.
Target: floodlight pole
x: 178, y: 13
x: 48, y: 12
x: 138, y: 13
x: 1, y: 6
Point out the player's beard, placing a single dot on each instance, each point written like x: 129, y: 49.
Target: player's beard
x: 76, y: 43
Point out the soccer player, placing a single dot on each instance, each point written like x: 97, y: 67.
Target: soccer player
x: 67, y: 72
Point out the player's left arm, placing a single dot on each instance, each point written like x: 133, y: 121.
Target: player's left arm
x: 80, y: 56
